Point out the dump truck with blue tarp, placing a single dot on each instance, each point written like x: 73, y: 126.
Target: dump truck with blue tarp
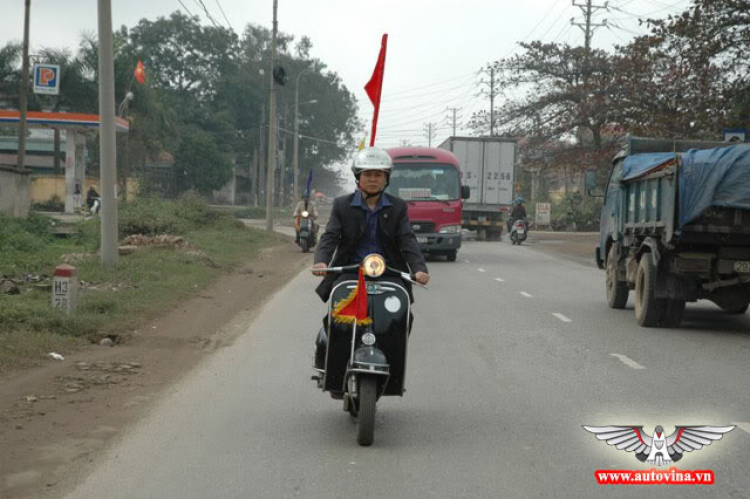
x: 675, y: 227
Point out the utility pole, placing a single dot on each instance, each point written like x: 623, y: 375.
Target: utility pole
x: 272, y: 141
x: 262, y: 162
x: 588, y: 31
x: 295, y: 158
x: 430, y: 133
x: 587, y: 26
x: 490, y: 70
x: 23, y: 91
x: 454, y: 120
x: 108, y: 158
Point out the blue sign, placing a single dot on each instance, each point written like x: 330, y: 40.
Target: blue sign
x: 47, y: 79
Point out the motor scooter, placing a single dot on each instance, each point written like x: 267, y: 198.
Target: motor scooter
x: 306, y: 233
x: 366, y: 362
x: 96, y: 206
x: 519, y: 231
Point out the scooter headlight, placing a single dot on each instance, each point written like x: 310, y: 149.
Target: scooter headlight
x: 374, y: 265
x: 305, y: 214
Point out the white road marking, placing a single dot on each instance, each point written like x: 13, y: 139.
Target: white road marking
x: 467, y: 261
x: 499, y: 279
x: 627, y: 361
x: 562, y: 317
x: 524, y: 293
x: 481, y: 270
x: 743, y: 426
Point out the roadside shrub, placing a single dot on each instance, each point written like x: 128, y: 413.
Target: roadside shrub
x: 152, y: 216
x: 24, y: 235
x: 251, y: 212
x: 52, y: 204
x: 570, y: 214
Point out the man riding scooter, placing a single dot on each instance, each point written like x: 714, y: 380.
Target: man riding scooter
x: 518, y: 212
x: 305, y: 205
x: 365, y: 222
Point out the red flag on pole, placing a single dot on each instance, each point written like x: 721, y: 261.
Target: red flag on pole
x: 354, y: 307
x: 375, y: 86
x: 140, y: 74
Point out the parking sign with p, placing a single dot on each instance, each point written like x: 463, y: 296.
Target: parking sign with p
x: 46, y: 79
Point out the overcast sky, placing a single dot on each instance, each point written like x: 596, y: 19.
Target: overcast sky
x: 436, y: 47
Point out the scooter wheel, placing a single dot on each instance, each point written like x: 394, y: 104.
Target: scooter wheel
x: 368, y: 393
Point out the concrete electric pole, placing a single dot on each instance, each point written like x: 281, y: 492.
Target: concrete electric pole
x: 490, y: 70
x: 108, y: 157
x: 295, y: 159
x: 453, y: 120
x: 429, y: 130
x: 587, y: 26
x: 23, y: 91
x: 273, y: 144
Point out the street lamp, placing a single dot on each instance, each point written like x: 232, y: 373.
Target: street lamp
x: 296, y: 131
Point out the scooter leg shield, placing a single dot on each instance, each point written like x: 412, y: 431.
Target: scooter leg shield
x: 321, y: 346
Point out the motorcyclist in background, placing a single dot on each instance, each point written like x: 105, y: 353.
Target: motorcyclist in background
x: 308, y: 205
x: 518, y: 212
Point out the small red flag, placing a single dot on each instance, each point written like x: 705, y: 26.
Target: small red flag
x: 140, y: 75
x: 374, y: 87
x: 354, y: 307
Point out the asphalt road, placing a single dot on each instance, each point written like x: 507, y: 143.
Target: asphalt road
x: 512, y: 351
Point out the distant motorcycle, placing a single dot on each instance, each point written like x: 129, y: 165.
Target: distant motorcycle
x: 518, y: 232
x: 96, y: 206
x: 306, y: 233
x: 363, y: 363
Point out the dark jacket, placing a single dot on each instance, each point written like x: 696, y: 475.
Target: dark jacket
x: 518, y: 213
x: 347, y: 226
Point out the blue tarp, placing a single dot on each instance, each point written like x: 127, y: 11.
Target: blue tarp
x: 638, y: 164
x: 710, y: 177
x: 714, y: 177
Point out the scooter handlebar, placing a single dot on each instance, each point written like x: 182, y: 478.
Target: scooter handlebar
x: 412, y: 278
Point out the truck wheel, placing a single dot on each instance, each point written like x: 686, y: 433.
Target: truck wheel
x: 673, y: 312
x: 617, y: 291
x: 451, y: 256
x: 648, y: 309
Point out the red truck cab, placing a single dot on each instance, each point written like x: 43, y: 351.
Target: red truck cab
x: 429, y: 180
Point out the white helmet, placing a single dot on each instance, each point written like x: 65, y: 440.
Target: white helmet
x: 372, y: 159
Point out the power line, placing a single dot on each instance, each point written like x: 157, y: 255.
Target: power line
x: 200, y: 4
x: 186, y: 9
x: 221, y: 9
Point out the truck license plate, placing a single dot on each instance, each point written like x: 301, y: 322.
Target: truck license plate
x: 742, y: 267
x: 423, y: 240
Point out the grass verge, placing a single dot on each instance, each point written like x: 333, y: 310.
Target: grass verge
x: 113, y: 302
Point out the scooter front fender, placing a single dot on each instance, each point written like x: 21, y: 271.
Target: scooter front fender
x: 370, y: 360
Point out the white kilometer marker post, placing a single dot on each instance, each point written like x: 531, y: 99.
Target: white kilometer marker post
x: 627, y: 361
x: 499, y: 279
x: 562, y: 317
x: 744, y: 427
x: 481, y: 270
x: 524, y: 293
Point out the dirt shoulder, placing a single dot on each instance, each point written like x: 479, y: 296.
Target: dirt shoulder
x: 56, y: 420
x: 576, y: 246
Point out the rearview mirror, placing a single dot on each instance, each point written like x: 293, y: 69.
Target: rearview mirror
x: 465, y: 192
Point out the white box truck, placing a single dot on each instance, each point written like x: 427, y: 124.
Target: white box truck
x: 488, y: 168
